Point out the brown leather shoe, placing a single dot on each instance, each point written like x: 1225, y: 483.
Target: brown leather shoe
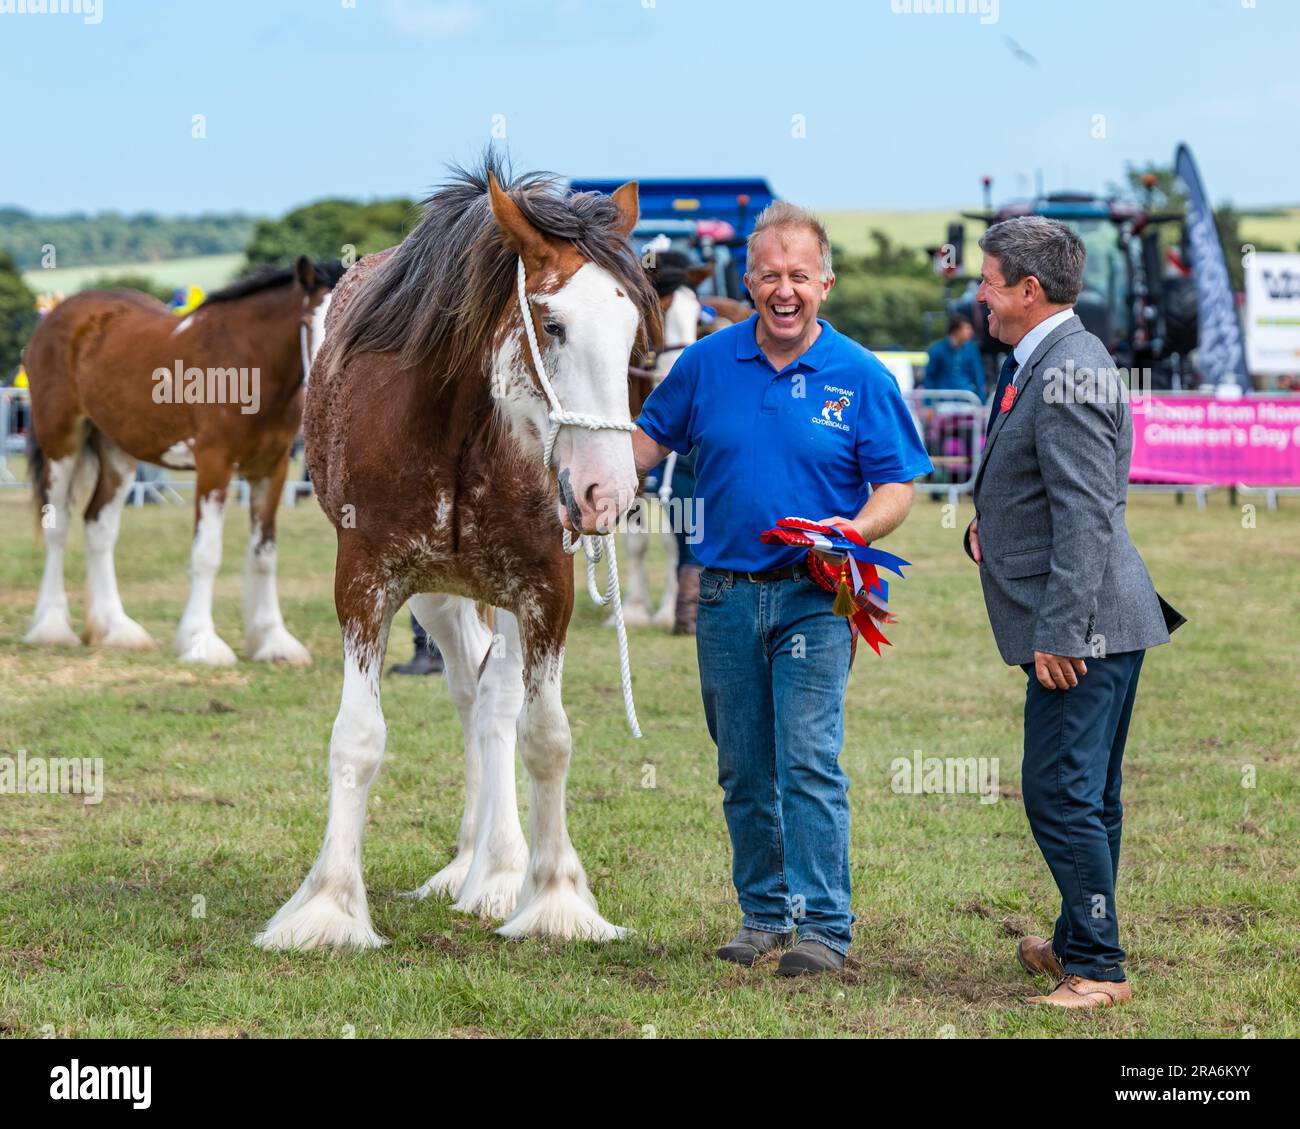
x: 1036, y: 957
x: 1075, y: 991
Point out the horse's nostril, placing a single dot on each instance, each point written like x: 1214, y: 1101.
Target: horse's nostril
x: 590, y: 496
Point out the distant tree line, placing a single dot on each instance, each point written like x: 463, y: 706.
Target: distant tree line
x: 111, y: 237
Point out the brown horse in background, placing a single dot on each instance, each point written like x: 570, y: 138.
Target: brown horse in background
x: 117, y: 379
x: 439, y: 454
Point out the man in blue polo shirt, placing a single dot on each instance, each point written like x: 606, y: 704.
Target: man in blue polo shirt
x: 791, y: 419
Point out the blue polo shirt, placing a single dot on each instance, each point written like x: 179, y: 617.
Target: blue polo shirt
x: 808, y: 441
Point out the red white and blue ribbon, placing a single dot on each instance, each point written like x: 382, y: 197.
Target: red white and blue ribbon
x: 862, y: 594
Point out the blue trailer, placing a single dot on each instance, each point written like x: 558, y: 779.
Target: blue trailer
x: 707, y: 217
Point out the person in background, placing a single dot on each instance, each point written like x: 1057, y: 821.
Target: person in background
x: 427, y: 658
x: 954, y: 361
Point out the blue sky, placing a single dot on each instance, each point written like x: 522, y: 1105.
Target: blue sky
x: 311, y: 98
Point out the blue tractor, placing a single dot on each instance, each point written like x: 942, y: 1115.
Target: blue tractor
x: 708, y: 218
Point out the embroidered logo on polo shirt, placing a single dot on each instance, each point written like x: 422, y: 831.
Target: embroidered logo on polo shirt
x: 832, y: 413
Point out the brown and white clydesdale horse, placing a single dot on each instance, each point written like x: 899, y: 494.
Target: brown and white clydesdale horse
x: 428, y: 425
x: 116, y: 379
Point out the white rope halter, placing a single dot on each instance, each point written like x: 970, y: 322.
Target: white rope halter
x: 594, y: 545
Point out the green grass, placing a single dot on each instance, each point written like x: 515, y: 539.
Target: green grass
x: 216, y: 786
x: 208, y: 271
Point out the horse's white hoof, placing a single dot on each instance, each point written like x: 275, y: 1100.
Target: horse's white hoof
x: 52, y: 629
x: 122, y: 633
x: 277, y: 645
x: 448, y: 881
x: 319, y: 923
x: 206, y: 647
x: 561, y: 912
x: 665, y: 616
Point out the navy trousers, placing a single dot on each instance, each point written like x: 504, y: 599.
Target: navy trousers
x: 1074, y: 746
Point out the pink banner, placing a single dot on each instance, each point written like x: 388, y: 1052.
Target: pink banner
x: 1199, y: 440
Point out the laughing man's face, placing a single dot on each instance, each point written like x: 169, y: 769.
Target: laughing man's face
x: 784, y: 278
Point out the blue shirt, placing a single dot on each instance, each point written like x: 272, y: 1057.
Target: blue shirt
x: 808, y: 441
x: 953, y: 368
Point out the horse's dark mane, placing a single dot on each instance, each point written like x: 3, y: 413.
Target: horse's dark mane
x: 445, y: 287
x: 265, y: 278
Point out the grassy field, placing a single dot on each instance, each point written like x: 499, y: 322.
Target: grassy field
x: 208, y: 271
x: 133, y: 917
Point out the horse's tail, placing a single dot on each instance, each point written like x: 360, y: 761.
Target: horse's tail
x: 36, y: 464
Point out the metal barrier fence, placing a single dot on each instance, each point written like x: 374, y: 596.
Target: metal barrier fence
x: 152, y: 485
x: 950, y: 423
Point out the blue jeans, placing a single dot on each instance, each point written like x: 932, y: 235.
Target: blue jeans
x: 1070, y: 778
x: 774, y: 665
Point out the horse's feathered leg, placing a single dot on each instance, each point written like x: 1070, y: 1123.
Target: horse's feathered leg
x: 496, y: 872
x: 50, y: 623
x: 266, y: 639
x: 107, y: 623
x: 466, y: 644
x: 197, y: 640
x: 330, y: 906
x: 555, y: 900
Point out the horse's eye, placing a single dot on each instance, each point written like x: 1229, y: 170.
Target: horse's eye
x: 555, y: 329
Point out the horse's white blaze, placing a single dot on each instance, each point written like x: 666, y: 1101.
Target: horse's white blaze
x: 197, y: 640
x: 266, y: 638
x: 681, y: 327
x: 50, y: 623
x: 500, y: 854
x: 555, y: 900
x: 106, y: 620
x: 589, y: 374
x: 330, y: 906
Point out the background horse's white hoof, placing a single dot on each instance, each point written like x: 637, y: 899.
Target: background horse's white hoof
x: 493, y: 895
x: 448, y: 881
x: 319, y: 923
x: 634, y: 615
x: 277, y: 645
x: 665, y: 616
x: 122, y: 633
x: 52, y: 629
x: 206, y: 647
x: 561, y: 912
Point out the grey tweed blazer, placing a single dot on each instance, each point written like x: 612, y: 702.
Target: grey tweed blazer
x: 1060, y: 572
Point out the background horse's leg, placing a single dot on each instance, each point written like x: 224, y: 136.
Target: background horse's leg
x: 453, y: 623
x: 555, y: 900
x: 636, y: 592
x: 266, y: 639
x: 197, y: 640
x: 107, y: 623
x: 496, y: 872
x: 330, y: 907
x: 667, y: 612
x: 50, y: 623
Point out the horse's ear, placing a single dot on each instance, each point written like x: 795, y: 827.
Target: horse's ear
x: 697, y: 275
x: 527, y: 241
x: 629, y: 209
x: 305, y: 272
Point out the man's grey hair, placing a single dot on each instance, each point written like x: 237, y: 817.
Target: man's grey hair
x: 781, y: 213
x: 1046, y: 249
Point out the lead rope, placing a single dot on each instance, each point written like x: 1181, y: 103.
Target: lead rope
x: 594, y: 545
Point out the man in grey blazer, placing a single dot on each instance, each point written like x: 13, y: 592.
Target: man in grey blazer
x: 1067, y: 594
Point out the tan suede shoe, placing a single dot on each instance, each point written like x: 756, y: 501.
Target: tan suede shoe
x: 1036, y: 957
x: 1075, y: 991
